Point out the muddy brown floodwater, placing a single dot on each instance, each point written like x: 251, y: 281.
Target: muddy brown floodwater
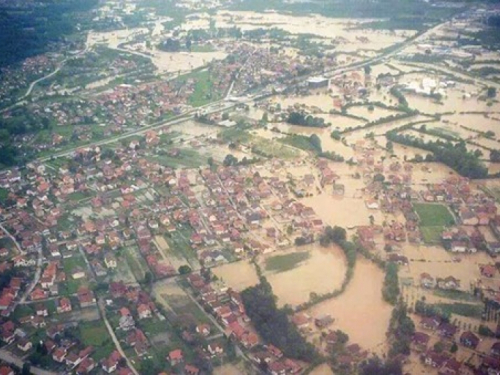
x: 321, y: 273
x: 360, y: 311
x: 238, y: 275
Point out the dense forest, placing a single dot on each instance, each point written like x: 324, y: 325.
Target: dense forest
x: 26, y: 32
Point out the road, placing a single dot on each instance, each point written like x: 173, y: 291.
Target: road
x: 102, y: 310
x: 47, y: 76
x: 16, y: 361
x: 223, y: 104
x: 21, y: 251
x: 239, y: 352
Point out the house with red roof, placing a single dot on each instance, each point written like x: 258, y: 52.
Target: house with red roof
x: 175, y: 357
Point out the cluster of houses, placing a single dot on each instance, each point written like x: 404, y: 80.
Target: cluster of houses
x: 18, y: 77
x: 444, y: 361
x: 227, y: 307
x: 447, y: 283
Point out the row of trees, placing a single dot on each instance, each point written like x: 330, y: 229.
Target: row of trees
x: 454, y: 156
x: 302, y: 119
x: 390, y: 290
x: 401, y: 331
x: 338, y: 236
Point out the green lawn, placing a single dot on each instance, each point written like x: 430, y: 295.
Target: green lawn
x: 462, y: 309
x: 456, y: 295
x: 136, y: 263
x: 433, y: 215
x: 298, y: 141
x: 153, y: 326
x: 286, y: 262
x: 96, y: 335
x: 4, y: 193
x: 431, y: 234
x: 182, y: 304
x: 433, y: 219
x: 204, y: 48
x: 78, y: 196
x: 75, y: 261
x: 187, y: 158
x: 203, y: 93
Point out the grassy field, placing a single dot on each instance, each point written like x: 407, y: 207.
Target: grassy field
x: 136, y: 263
x: 433, y: 219
x: 298, y: 141
x: 432, y: 215
x: 4, y: 193
x: 431, y: 234
x: 462, y: 309
x: 286, y: 262
x: 182, y: 304
x: 96, y: 335
x: 187, y: 158
x: 456, y: 295
x: 203, y: 93
x: 204, y: 48
x: 260, y: 146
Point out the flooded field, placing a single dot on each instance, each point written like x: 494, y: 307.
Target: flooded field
x: 375, y: 114
x: 361, y: 303
x: 322, y: 272
x: 344, y: 30
x: 322, y: 101
x: 238, y: 275
x: 440, y: 263
x: 165, y: 62
x: 323, y: 369
x: 431, y: 173
x: 479, y: 122
x: 343, y: 211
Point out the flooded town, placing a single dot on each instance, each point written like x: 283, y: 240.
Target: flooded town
x: 248, y: 187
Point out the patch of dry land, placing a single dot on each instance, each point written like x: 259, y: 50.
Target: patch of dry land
x: 296, y: 273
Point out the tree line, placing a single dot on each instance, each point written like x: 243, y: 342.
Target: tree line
x: 455, y: 156
x: 272, y: 323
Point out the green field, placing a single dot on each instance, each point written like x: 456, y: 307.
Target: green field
x: 298, y: 141
x: 136, y: 263
x: 202, y: 48
x: 462, y: 309
x: 203, y: 93
x: 431, y: 234
x: 4, y: 193
x: 433, y: 219
x: 187, y: 158
x: 286, y: 262
x: 96, y: 335
x: 456, y: 295
x: 433, y: 215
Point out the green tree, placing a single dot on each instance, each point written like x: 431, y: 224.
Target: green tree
x: 26, y: 370
x: 315, y: 142
x: 184, y: 270
x: 390, y: 290
x: 491, y: 92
